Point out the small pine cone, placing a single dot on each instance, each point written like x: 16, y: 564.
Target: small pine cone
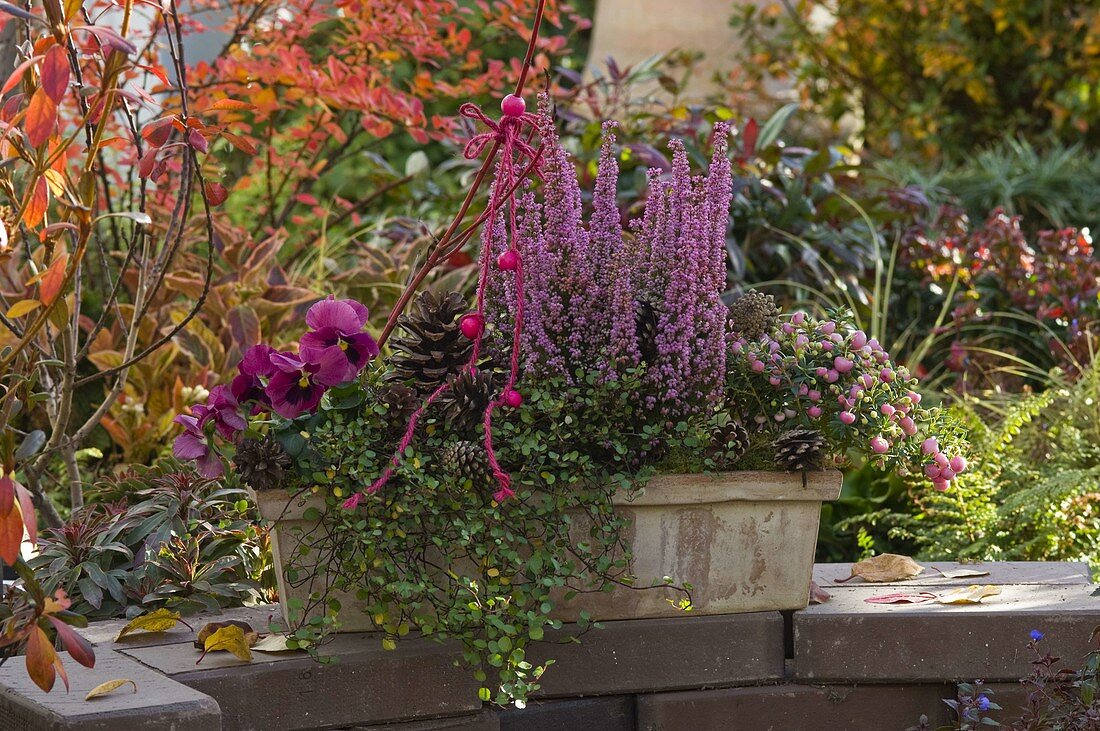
x: 799, y: 450
x: 753, y: 315
x: 400, y: 400
x: 729, y: 444
x: 467, y: 461
x: 431, y: 348
x: 462, y: 406
x: 646, y: 319
x: 261, y: 463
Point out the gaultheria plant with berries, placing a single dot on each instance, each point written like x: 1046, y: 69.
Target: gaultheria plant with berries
x: 828, y: 375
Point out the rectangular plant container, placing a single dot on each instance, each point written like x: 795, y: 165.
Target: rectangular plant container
x: 744, y: 541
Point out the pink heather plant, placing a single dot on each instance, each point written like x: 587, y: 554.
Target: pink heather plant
x: 583, y: 280
x: 828, y: 375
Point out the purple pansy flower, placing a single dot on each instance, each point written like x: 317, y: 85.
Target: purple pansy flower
x: 255, y: 368
x: 225, y: 410
x: 337, y: 326
x: 192, y: 444
x: 298, y: 385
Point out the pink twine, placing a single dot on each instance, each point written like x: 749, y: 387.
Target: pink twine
x: 508, y: 132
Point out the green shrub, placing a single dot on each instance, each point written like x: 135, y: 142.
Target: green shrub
x: 936, y: 76
x: 1034, y: 492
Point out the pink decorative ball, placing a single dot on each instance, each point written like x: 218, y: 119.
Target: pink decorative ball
x: 471, y: 325
x: 508, y: 261
x: 513, y: 106
x: 512, y: 398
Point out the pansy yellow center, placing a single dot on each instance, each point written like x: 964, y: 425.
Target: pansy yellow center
x: 304, y: 381
x: 343, y: 345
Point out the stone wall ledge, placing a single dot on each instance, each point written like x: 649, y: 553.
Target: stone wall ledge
x: 846, y: 661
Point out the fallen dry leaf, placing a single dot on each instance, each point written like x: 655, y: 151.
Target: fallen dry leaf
x: 902, y: 598
x: 273, y: 643
x: 229, y: 638
x: 884, y: 568
x: 210, y: 628
x: 161, y: 620
x: 818, y: 595
x: 108, y: 687
x: 972, y: 594
x: 960, y: 573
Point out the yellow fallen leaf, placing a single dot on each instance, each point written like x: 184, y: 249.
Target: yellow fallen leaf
x: 969, y: 594
x: 161, y: 620
x: 250, y: 635
x: 886, y: 567
x: 273, y: 643
x: 109, y: 686
x: 230, y: 638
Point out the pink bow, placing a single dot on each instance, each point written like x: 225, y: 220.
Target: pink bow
x: 507, y: 132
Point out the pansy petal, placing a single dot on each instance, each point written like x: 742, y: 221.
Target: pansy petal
x: 210, y: 466
x: 187, y: 446
x: 286, y: 362
x: 331, y: 368
x: 257, y: 361
x: 336, y: 314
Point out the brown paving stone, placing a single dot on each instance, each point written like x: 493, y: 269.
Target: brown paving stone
x: 160, y: 703
x: 614, y: 713
x: 485, y: 720
x: 847, y: 639
x: 292, y: 691
x: 795, y: 708
x: 665, y: 654
x: 1000, y: 572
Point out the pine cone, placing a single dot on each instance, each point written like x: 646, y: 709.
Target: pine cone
x: 400, y: 400
x: 799, y: 450
x: 753, y: 314
x: 432, y: 348
x: 646, y: 323
x: 729, y: 443
x: 462, y: 406
x: 261, y: 463
x: 467, y: 461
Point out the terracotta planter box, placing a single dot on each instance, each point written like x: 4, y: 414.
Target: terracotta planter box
x: 744, y: 541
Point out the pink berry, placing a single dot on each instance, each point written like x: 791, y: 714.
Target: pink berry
x: 775, y: 380
x: 471, y: 325
x: 828, y: 327
x: 826, y: 345
x: 513, y: 106
x: 798, y: 318
x: 941, y: 459
x: 930, y: 446
x: 842, y: 364
x: 820, y: 372
x: 932, y: 471
x: 879, y: 445
x: 940, y: 485
x: 908, y: 426
x: 958, y: 464
x: 832, y: 376
x: 508, y: 261
x: 814, y: 411
x: 887, y: 410
x: 847, y: 417
x: 914, y: 397
x: 859, y: 339
x: 886, y: 375
x: 758, y: 366
x: 512, y: 398
x: 801, y: 342
x: 947, y: 474
x: 814, y: 395
x: 867, y: 380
